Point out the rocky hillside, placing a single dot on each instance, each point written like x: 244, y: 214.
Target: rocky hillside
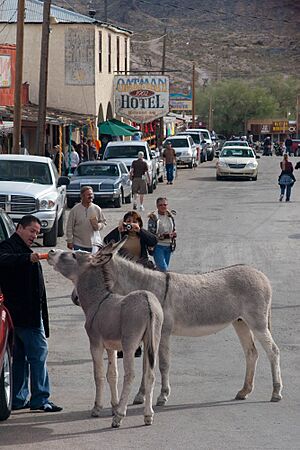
x: 225, y: 38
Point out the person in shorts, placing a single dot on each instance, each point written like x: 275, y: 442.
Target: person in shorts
x: 140, y: 177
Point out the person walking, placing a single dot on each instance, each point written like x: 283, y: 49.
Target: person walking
x: 169, y: 157
x: 71, y: 160
x: 85, y: 222
x: 22, y: 283
x: 140, y: 176
x: 286, y: 179
x: 162, y: 224
x: 288, y: 145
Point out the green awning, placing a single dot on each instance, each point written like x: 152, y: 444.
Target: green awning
x: 112, y: 129
x: 123, y: 124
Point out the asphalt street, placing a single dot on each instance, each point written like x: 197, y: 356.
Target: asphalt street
x: 219, y: 223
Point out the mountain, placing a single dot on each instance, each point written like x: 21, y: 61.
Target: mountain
x: 225, y: 38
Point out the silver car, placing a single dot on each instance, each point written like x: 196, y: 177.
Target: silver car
x: 109, y: 180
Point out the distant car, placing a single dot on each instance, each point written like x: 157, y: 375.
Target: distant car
x: 237, y: 162
x: 296, y: 147
x: 198, y: 139
x: 185, y: 149
x: 159, y: 165
x: 7, y: 228
x: 235, y: 143
x: 210, y: 144
x: 110, y: 181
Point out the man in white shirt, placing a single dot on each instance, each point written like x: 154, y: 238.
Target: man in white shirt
x: 85, y: 222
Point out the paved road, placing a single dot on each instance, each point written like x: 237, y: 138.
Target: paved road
x: 219, y: 223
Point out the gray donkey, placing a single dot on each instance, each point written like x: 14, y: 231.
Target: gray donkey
x: 203, y: 304
x: 114, y: 322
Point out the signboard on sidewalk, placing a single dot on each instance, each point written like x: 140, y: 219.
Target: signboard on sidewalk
x: 142, y: 98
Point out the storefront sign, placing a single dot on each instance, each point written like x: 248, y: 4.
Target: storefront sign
x: 280, y: 126
x: 5, y: 71
x: 142, y: 99
x: 180, y: 105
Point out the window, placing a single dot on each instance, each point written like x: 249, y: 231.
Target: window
x: 118, y: 54
x: 100, y: 51
x: 126, y: 56
x: 109, y: 53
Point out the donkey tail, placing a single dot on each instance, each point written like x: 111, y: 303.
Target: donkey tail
x: 153, y: 331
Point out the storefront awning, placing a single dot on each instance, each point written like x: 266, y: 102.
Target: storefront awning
x: 116, y: 129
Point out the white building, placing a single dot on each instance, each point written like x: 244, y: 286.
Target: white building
x: 84, y: 56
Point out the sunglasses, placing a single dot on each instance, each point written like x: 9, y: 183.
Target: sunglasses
x: 163, y: 204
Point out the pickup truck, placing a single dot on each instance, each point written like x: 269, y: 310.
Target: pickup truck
x: 31, y: 185
x: 127, y: 151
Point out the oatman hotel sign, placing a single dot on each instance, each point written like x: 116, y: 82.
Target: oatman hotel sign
x: 142, y: 99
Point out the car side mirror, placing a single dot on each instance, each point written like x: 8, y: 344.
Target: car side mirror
x: 257, y: 156
x: 63, y: 181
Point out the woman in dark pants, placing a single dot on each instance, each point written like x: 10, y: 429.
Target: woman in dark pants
x: 286, y: 178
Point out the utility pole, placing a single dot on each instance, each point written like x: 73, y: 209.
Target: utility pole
x: 193, y: 96
x: 105, y: 10
x: 41, y: 127
x: 163, y: 68
x: 18, y: 78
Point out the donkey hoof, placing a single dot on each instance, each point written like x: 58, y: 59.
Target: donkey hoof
x: 148, y: 420
x: 96, y: 411
x: 276, y: 398
x: 117, y: 419
x: 241, y: 396
x: 138, y: 399
x: 161, y: 401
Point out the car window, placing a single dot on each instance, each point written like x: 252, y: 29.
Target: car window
x: 235, y: 143
x: 123, y: 151
x: 205, y: 134
x: 237, y: 152
x: 25, y: 171
x: 97, y: 170
x: 179, y: 142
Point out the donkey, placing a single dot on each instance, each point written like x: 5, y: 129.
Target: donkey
x: 114, y: 322
x: 203, y: 304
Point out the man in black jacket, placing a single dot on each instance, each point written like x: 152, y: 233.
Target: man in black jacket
x: 22, y: 283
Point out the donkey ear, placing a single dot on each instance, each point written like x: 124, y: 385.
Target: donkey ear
x: 105, y: 254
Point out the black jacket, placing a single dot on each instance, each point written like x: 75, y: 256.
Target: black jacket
x: 22, y: 284
x: 147, y: 240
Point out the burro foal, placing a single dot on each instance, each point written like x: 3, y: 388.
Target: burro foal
x: 202, y: 304
x: 114, y: 322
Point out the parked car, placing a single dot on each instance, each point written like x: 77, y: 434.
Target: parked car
x: 110, y: 181
x: 198, y: 139
x: 159, y: 165
x: 127, y: 151
x: 236, y: 143
x: 31, y: 185
x: 296, y: 147
x: 185, y: 149
x: 210, y: 145
x: 238, y: 161
x: 7, y: 228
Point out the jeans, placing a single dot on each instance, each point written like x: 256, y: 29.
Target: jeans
x: 170, y: 172
x: 288, y: 190
x: 29, y: 361
x: 162, y: 255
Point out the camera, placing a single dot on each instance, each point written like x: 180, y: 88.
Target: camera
x: 127, y: 226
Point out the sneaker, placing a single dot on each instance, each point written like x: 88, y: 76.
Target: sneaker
x: 280, y: 198
x: 287, y: 199
x: 134, y: 206
x: 142, y: 208
x: 48, y: 407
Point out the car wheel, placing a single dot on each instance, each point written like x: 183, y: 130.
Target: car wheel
x: 218, y: 177
x: 50, y: 238
x: 128, y: 199
x: 118, y: 201
x: 60, y: 227
x: 70, y: 203
x: 6, y: 386
x: 191, y: 165
x: 254, y: 178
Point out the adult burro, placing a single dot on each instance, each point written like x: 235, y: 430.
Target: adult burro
x: 114, y: 322
x: 203, y: 304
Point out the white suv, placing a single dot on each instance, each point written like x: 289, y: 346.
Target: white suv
x: 31, y: 185
x: 185, y: 149
x: 210, y: 146
x: 127, y: 151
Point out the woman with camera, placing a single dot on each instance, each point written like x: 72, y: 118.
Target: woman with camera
x: 139, y: 240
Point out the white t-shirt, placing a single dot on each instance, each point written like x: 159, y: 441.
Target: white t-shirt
x: 79, y: 229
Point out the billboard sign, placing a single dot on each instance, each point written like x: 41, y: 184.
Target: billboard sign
x: 140, y: 98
